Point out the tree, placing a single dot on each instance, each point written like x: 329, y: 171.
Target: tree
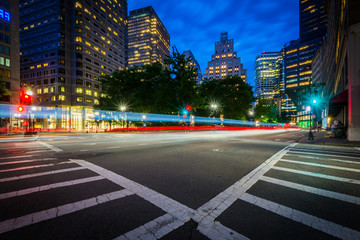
x: 232, y: 93
x: 266, y: 111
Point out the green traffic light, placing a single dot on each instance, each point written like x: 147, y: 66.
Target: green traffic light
x: 314, y: 101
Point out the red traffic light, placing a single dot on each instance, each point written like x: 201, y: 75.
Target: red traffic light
x: 20, y: 109
x: 188, y: 108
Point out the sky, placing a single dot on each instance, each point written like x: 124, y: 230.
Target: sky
x: 255, y: 25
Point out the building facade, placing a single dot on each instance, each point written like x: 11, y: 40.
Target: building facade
x: 298, y: 57
x: 337, y: 66
x: 224, y: 62
x: 189, y: 55
x: 149, y: 41
x: 9, y: 50
x: 267, y: 75
x: 65, y: 47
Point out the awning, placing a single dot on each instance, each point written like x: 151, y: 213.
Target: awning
x: 337, y: 103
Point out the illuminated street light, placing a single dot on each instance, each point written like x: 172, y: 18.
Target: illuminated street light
x: 123, y: 108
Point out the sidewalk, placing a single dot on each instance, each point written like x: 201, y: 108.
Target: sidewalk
x: 327, y: 138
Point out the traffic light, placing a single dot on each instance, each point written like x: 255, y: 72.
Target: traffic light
x: 188, y: 108
x: 26, y: 97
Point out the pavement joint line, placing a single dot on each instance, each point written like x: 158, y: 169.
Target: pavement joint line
x: 40, y: 174
x: 27, y: 161
x: 324, y: 159
x: 321, y: 165
x: 19, y: 222
x: 31, y: 167
x: 320, y: 224
x: 313, y: 190
x: 48, y: 187
x: 55, y: 149
x: 318, y: 175
x: 324, y: 154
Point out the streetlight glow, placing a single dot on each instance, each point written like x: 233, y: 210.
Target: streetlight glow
x: 314, y: 101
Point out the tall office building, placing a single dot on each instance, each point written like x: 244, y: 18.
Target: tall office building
x: 9, y: 50
x: 225, y: 61
x: 298, y: 55
x: 65, y: 47
x: 149, y: 41
x: 9, y: 60
x: 193, y: 63
x: 267, y: 75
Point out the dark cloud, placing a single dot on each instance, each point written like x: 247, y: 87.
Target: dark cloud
x: 255, y: 25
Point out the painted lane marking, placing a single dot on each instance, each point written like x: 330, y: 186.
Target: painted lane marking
x: 321, y: 165
x: 23, y: 156
x: 55, y: 149
x: 154, y: 229
x: 84, y: 150
x: 19, y: 222
x: 317, y: 191
x: 358, y: 148
x: 48, y: 187
x: 143, y: 144
x: 41, y: 174
x: 115, y: 147
x: 219, y: 231
x: 318, y: 175
x: 324, y: 154
x: 325, y: 159
x: 38, y: 151
x: 328, y: 227
x: 27, y: 161
x: 167, y: 204
x: 207, y: 213
x: 31, y: 167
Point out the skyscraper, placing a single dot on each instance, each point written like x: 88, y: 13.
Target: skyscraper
x: 149, y: 41
x: 267, y: 75
x: 298, y: 54
x: 225, y: 61
x: 9, y: 50
x: 189, y: 55
x: 65, y: 47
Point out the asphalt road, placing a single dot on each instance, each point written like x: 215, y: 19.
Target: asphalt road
x: 198, y: 185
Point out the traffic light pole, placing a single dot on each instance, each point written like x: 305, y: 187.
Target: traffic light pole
x: 311, y: 135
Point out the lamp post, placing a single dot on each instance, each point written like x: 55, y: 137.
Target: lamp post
x: 122, y: 109
x: 311, y: 135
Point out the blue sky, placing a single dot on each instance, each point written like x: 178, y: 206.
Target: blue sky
x: 255, y: 25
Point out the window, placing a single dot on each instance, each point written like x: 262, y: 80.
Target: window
x: 2, y: 61
x: 52, y: 89
x: 79, y: 99
x: 39, y: 91
x: 96, y: 94
x: 62, y: 97
x: 79, y: 82
x: 53, y: 98
x: 88, y: 92
x: 79, y: 90
x: 61, y: 89
x: 88, y: 84
x: 46, y: 90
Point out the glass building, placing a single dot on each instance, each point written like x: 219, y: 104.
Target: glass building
x: 299, y: 54
x: 267, y: 75
x: 149, y: 41
x: 65, y: 47
x: 225, y: 61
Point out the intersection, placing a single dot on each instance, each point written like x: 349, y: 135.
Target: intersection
x: 199, y: 185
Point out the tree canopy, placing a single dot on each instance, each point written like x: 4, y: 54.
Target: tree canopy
x: 168, y: 88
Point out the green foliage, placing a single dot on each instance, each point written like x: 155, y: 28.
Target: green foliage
x: 167, y: 89
x: 231, y: 95
x: 266, y: 111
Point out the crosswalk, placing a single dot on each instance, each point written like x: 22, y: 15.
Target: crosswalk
x: 37, y: 173
x: 301, y: 170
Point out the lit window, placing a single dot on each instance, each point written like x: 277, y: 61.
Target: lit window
x: 39, y: 91
x: 79, y: 90
x: 79, y: 99
x: 53, y: 98
x: 52, y: 89
x: 78, y: 39
x: 46, y: 90
x: 62, y: 97
x: 88, y: 92
x: 96, y: 94
x: 7, y: 62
